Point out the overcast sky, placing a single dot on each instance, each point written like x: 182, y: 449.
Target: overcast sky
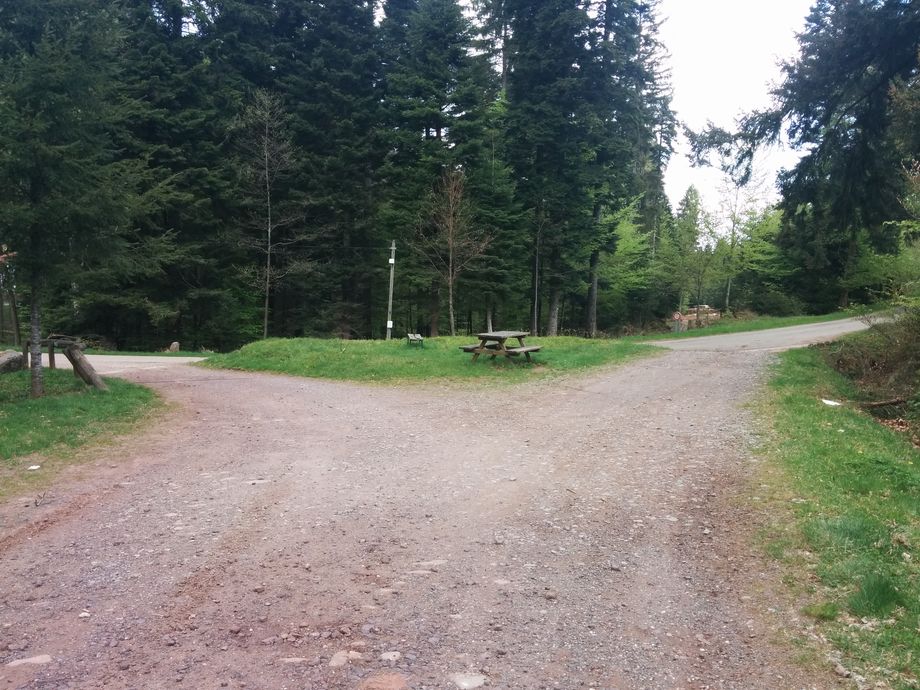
x: 724, y: 55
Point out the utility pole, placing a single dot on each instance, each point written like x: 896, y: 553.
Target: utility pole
x: 390, y: 301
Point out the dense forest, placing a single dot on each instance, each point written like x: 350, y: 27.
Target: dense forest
x: 214, y: 171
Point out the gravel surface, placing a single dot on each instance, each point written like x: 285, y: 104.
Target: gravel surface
x: 273, y: 532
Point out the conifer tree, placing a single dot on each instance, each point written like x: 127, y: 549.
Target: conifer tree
x: 62, y: 187
x: 549, y: 116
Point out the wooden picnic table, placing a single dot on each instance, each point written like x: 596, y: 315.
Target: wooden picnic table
x: 495, y: 344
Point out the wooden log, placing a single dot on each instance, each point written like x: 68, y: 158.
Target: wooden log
x: 885, y: 403
x: 83, y: 368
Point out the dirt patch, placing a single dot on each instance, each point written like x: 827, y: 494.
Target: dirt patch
x: 287, y: 533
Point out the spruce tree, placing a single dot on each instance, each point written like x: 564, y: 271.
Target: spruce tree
x: 835, y: 103
x: 63, y: 190
x: 549, y: 120
x: 327, y: 66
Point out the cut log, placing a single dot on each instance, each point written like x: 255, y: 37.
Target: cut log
x: 83, y: 368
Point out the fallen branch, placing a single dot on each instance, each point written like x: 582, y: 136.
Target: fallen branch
x: 885, y: 403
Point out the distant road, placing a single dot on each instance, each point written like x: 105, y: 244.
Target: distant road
x: 774, y: 339
x: 112, y: 365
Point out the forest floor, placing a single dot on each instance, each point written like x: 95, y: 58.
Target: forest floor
x: 591, y: 531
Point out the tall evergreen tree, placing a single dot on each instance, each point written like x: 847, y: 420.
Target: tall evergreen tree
x: 548, y: 139
x: 64, y: 198
x: 835, y: 104
x: 327, y: 62
x: 632, y: 126
x: 183, y: 102
x: 438, y: 96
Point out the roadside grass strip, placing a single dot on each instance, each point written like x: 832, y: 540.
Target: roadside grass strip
x: 70, y: 415
x: 439, y: 359
x: 852, y: 549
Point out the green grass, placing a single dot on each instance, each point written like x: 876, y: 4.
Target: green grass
x: 760, y: 323
x: 439, y: 359
x: 70, y: 415
x: 852, y: 547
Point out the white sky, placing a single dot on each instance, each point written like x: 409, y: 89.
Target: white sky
x: 724, y: 56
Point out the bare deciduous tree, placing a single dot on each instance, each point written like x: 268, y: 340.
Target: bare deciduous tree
x: 268, y: 156
x: 447, y: 235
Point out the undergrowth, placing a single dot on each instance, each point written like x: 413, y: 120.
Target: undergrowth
x: 852, y: 489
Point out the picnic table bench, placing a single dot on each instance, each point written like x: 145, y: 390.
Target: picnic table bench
x: 493, y: 344
x: 415, y: 339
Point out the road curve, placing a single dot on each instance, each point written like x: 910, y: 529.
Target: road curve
x: 770, y: 340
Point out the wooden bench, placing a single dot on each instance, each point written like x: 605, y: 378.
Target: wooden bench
x: 524, y: 350
x: 470, y: 348
x: 415, y: 339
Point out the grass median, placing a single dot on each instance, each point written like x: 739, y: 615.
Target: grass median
x: 439, y: 359
x: 846, y: 505
x: 70, y: 415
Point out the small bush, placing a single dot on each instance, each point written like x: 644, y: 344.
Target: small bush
x: 777, y: 303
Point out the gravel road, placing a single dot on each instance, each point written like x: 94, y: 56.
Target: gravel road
x: 272, y: 532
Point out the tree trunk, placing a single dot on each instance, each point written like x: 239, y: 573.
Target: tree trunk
x: 435, y: 309
x: 268, y: 278
x: 450, y: 307
x: 35, y: 343
x: 535, y: 289
x: 552, y: 322
x: 14, y: 315
x: 728, y: 294
x: 592, y: 293
x: 505, y: 61
x: 84, y: 369
x: 489, y: 319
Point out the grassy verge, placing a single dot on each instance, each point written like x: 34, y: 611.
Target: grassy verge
x: 70, y: 415
x: 760, y: 323
x: 439, y: 359
x: 852, y: 489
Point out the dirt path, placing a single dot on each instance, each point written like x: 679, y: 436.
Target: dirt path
x: 289, y: 533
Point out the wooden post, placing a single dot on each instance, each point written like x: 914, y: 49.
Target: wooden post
x: 51, y: 355
x: 390, y: 299
x: 83, y: 368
